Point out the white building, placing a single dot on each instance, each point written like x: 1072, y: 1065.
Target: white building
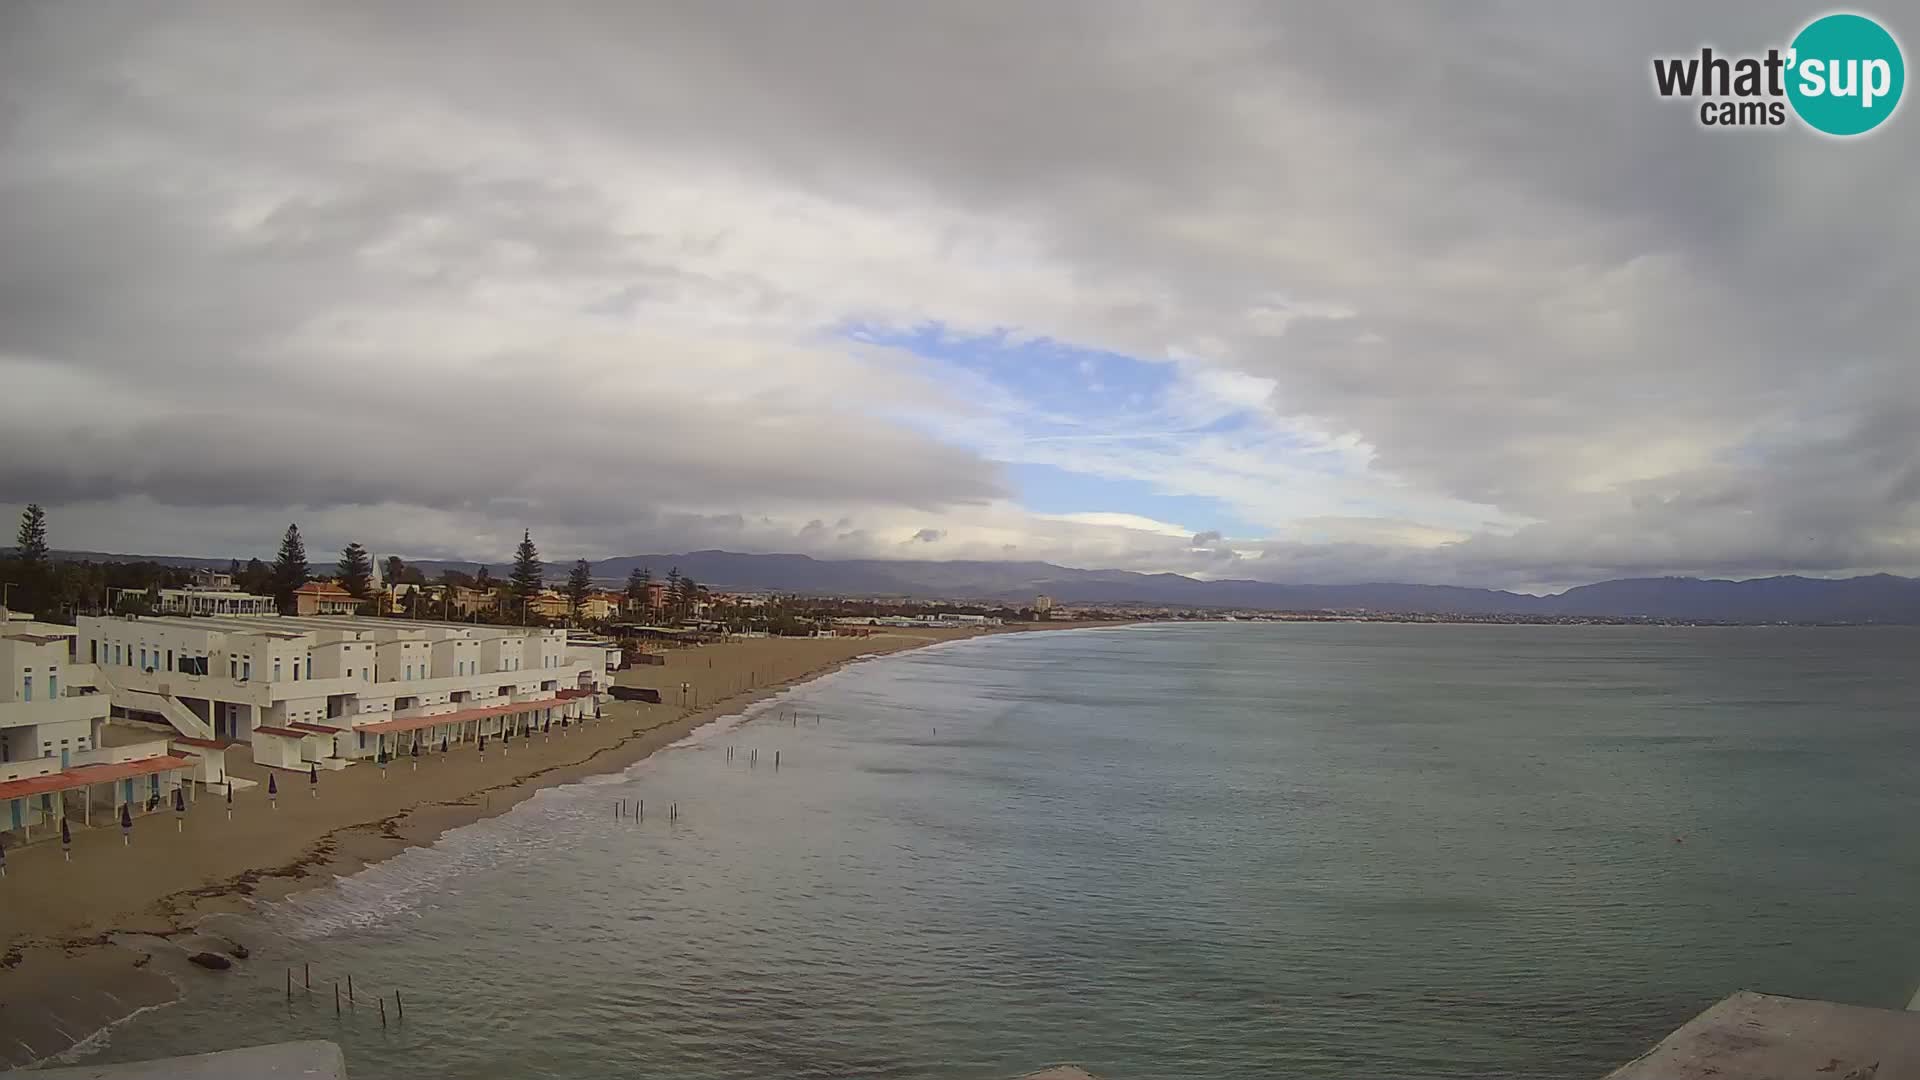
x: 197, y: 601
x: 319, y: 689
x: 52, y: 763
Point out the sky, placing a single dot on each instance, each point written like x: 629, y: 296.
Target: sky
x: 1296, y: 292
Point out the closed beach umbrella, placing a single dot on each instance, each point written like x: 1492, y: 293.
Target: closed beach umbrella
x: 229, y: 800
x: 3, y: 858
x: 179, y: 809
x: 273, y: 792
x: 313, y: 779
x: 66, y: 840
x: 126, y: 825
x: 506, y: 739
x: 382, y: 760
x: 416, y: 754
x: 483, y: 746
x: 443, y: 744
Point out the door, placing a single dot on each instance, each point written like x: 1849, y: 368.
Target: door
x: 126, y: 790
x: 18, y: 822
x: 63, y: 758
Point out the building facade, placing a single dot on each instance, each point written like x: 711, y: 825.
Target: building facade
x: 329, y: 679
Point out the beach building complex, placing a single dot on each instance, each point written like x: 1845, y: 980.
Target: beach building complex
x: 323, y: 690
x: 53, y: 763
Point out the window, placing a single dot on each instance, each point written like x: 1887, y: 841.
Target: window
x: 93, y: 650
x: 26, y: 688
x: 53, y: 685
x: 233, y: 667
x: 246, y: 668
x: 276, y: 669
x: 309, y: 667
x: 143, y: 658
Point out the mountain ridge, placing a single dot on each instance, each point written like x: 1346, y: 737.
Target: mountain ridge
x: 1873, y: 598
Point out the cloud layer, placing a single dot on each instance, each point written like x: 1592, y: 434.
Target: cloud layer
x: 1440, y: 296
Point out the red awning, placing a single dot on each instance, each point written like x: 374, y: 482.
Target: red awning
x: 415, y: 723
x: 316, y: 729
x: 208, y: 744
x: 569, y: 695
x: 87, y: 775
x: 285, y: 733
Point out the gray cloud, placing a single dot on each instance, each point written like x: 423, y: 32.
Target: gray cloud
x: 399, y: 280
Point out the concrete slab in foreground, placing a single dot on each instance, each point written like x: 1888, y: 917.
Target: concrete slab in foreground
x: 1753, y: 1036
x: 313, y: 1060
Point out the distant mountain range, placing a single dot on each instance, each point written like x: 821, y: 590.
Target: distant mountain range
x: 1879, y: 598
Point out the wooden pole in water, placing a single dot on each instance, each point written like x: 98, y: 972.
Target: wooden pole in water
x: 349, y: 989
x: 289, y: 986
x: 383, y: 1013
x: 641, y: 812
x: 776, y: 761
x: 399, y: 1006
x: 336, y: 997
x: 307, y: 974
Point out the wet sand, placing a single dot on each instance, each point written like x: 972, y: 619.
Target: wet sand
x: 88, y: 942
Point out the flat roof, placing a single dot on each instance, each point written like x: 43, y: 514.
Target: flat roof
x: 415, y: 723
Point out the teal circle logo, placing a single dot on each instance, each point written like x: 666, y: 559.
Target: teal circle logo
x: 1845, y: 74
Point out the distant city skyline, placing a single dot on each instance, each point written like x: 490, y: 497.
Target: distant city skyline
x: 1289, y: 293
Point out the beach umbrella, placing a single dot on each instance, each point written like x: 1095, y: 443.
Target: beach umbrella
x: 443, y: 744
x: 273, y: 792
x: 66, y: 840
x: 506, y: 740
x: 483, y: 748
x: 546, y: 729
x: 179, y: 809
x: 416, y: 754
x: 382, y: 760
x: 3, y: 858
x: 229, y: 799
x: 126, y: 825
x: 313, y: 779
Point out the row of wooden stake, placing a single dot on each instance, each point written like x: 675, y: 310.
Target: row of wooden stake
x: 399, y: 1006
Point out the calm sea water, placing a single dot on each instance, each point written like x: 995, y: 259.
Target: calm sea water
x: 1171, y: 851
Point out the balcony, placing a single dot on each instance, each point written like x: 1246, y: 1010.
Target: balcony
x: 53, y: 711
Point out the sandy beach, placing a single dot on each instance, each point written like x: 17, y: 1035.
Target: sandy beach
x: 88, y: 942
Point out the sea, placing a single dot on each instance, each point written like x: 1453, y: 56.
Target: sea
x: 1175, y: 850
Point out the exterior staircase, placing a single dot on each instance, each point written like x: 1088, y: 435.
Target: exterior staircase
x: 164, y: 705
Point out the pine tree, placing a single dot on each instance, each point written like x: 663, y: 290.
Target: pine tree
x: 483, y: 580
x: 32, y: 543
x: 688, y: 597
x: 528, y: 574
x: 395, y: 570
x: 673, y: 594
x: 579, y: 585
x: 356, y: 571
x: 255, y: 578
x: 639, y: 586
x: 290, y: 570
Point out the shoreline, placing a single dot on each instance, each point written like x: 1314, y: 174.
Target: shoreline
x: 76, y: 965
